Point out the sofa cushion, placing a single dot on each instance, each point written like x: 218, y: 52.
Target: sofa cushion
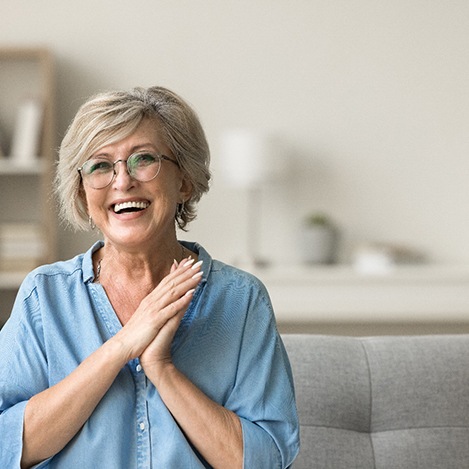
x: 381, y: 402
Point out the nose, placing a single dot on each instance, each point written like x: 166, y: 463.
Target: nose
x: 122, y: 179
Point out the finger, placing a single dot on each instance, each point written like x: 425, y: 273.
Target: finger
x: 153, y: 313
x: 174, y: 286
x: 172, y: 323
x: 168, y: 330
x: 185, y: 270
x: 187, y: 261
x: 175, y: 309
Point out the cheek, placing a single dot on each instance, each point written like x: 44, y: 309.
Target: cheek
x: 92, y: 200
x: 169, y: 191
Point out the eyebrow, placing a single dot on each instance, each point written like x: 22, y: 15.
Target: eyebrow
x: 133, y: 150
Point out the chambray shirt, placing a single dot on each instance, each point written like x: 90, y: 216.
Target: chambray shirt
x: 227, y: 344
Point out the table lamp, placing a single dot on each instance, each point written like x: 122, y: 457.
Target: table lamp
x: 250, y: 159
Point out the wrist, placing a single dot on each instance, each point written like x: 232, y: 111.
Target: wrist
x: 159, y: 370
x: 116, y: 350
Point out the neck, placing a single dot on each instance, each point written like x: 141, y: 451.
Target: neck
x: 148, y: 266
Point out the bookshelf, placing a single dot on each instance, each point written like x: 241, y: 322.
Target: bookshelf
x: 26, y: 73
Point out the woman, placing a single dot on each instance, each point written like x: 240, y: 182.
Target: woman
x: 144, y: 351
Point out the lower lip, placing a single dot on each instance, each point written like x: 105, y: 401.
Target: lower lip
x: 129, y: 215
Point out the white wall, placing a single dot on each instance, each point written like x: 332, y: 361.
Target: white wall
x: 372, y: 98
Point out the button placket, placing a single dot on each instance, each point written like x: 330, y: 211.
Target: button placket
x: 141, y: 416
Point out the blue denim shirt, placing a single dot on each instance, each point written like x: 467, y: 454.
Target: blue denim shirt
x: 227, y: 344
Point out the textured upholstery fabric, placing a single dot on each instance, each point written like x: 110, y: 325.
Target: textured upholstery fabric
x: 381, y: 402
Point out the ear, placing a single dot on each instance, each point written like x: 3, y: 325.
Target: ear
x: 186, y: 189
x: 82, y: 196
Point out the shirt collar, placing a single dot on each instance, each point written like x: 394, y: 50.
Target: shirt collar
x: 88, y: 269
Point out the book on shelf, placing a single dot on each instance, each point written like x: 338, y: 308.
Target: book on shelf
x: 18, y: 265
x: 22, y: 246
x: 20, y: 230
x: 26, y: 140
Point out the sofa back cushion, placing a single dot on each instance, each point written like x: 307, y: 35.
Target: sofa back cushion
x: 381, y: 402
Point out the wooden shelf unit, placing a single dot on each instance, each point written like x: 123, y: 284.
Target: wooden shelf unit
x: 27, y: 191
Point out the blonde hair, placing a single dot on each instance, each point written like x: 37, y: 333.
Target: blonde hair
x: 111, y: 116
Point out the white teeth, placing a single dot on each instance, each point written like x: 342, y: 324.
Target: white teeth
x: 125, y: 205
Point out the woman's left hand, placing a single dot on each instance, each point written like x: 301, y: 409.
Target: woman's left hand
x: 158, y: 353
x: 215, y: 431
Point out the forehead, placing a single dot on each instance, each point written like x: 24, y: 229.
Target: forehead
x: 147, y: 135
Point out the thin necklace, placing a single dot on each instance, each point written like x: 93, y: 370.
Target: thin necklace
x: 98, y: 267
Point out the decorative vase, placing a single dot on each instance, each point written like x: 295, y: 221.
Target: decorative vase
x: 319, y: 239
x: 319, y: 244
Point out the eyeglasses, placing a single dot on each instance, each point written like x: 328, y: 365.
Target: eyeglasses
x: 98, y: 173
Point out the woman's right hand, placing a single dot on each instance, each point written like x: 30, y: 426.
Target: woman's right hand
x: 172, y: 296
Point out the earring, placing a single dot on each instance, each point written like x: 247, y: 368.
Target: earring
x: 180, y: 210
x: 91, y: 222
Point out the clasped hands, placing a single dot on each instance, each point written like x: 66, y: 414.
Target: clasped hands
x: 149, y: 332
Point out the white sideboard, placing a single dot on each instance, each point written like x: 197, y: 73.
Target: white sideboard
x: 339, y: 294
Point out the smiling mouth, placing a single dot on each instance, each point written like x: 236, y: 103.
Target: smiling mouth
x: 127, y: 207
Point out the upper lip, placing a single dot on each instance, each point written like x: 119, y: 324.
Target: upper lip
x: 133, y: 199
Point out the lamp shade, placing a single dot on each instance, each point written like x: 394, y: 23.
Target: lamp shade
x: 250, y: 157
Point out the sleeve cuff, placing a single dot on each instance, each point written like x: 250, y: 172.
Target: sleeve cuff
x: 11, y: 424
x: 259, y: 447
x: 11, y: 449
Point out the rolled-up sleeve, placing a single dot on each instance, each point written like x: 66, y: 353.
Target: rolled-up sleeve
x: 23, y: 373
x: 263, y: 396
x: 11, y: 431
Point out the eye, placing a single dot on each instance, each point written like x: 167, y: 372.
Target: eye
x: 141, y: 160
x: 100, y: 166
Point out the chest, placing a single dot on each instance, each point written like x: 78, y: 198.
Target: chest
x: 125, y: 299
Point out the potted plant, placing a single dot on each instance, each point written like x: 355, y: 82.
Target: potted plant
x: 319, y: 238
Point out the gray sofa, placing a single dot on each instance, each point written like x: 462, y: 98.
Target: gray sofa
x: 381, y: 402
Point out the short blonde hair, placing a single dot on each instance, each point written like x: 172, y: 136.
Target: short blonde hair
x: 111, y: 116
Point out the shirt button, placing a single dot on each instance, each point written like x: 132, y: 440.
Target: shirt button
x: 139, y: 368
x: 142, y: 426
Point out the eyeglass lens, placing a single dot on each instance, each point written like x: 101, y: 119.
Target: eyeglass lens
x: 99, y: 172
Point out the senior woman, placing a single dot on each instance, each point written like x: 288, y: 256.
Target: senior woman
x: 143, y: 352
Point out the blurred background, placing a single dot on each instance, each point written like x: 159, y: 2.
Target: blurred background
x: 368, y: 101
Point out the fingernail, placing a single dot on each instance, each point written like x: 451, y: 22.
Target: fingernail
x: 189, y: 292
x: 198, y: 274
x: 189, y: 262
x: 197, y: 264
